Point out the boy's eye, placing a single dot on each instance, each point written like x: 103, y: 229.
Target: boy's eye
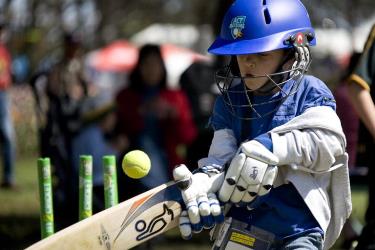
x: 263, y: 54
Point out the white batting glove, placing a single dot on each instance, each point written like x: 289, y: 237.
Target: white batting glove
x: 202, y: 207
x: 251, y: 173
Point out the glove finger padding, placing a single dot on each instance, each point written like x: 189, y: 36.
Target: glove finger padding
x: 251, y: 173
x: 249, y: 196
x: 216, y: 210
x: 252, y: 193
x: 193, y: 212
x: 268, y: 180
x: 231, y: 177
x: 205, y: 211
x: 189, y: 194
x: 185, y: 226
x: 239, y: 191
x: 263, y: 188
x: 194, y: 191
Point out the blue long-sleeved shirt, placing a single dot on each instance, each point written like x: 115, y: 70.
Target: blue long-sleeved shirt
x: 283, y: 210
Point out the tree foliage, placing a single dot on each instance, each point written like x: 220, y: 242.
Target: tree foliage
x: 44, y: 22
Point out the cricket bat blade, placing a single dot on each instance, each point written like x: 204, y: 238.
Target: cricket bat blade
x: 123, y: 226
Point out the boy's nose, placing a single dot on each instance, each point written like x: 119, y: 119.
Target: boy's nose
x: 250, y: 61
x: 251, y: 64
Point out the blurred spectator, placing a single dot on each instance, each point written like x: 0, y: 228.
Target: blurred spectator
x: 155, y: 119
x: 199, y: 84
x: 20, y: 68
x: 350, y: 124
x: 6, y: 124
x: 361, y: 93
x: 59, y: 91
x: 98, y: 115
x: 21, y: 62
x: 346, y: 113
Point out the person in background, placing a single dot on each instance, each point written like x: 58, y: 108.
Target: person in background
x: 198, y: 82
x: 154, y: 118
x: 362, y: 94
x: 59, y: 91
x: 96, y: 138
x: 7, y: 137
x: 346, y: 113
x: 199, y: 85
x: 351, y: 125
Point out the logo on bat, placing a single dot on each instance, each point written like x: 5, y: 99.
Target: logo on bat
x: 157, y: 224
x: 104, y: 238
x: 166, y: 200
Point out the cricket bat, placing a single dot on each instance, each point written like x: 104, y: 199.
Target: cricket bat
x: 123, y: 226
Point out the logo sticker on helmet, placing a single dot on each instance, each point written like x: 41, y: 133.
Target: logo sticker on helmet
x: 300, y: 39
x: 237, y: 25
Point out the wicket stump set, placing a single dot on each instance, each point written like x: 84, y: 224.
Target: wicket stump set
x: 85, y: 189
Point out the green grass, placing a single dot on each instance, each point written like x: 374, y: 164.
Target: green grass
x: 19, y: 210
x: 359, y: 200
x: 24, y: 200
x: 19, y: 213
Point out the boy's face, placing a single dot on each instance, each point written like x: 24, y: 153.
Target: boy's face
x: 259, y: 65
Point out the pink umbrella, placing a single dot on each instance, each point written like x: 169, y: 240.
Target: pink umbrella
x: 122, y: 56
x: 177, y: 60
x: 119, y: 56
x: 173, y: 52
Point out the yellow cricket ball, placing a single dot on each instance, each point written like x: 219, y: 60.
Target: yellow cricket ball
x: 136, y: 164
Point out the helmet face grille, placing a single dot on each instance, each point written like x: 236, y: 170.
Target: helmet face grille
x: 258, y: 26
x: 237, y: 97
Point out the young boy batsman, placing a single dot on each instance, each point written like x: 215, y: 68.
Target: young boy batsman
x: 277, y: 139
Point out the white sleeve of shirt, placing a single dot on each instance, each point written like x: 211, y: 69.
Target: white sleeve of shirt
x: 312, y: 150
x: 312, y: 142
x: 222, y: 150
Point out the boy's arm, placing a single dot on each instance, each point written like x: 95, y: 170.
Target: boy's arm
x: 222, y: 150
x: 361, y: 80
x: 314, y: 149
x: 364, y: 105
x: 313, y: 141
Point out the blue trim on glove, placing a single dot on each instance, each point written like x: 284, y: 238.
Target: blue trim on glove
x: 208, y: 222
x: 266, y: 141
x: 196, y: 228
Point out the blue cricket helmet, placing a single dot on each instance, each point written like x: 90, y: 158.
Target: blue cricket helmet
x: 255, y: 26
